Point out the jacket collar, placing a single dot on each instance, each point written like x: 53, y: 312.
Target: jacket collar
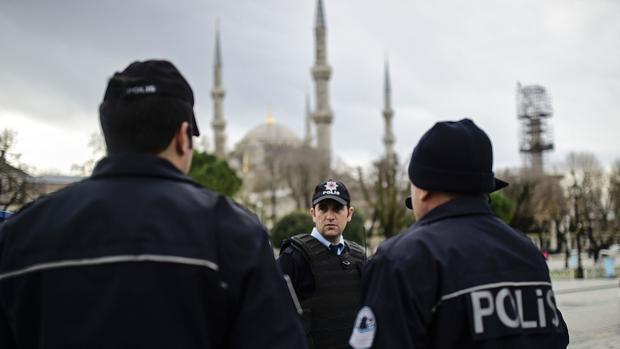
x: 459, y: 206
x: 138, y: 165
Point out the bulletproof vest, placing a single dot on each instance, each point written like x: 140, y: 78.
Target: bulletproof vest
x: 330, y: 312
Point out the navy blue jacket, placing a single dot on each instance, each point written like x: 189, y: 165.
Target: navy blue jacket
x: 140, y: 256
x: 460, y: 278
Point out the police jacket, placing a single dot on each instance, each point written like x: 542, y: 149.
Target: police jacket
x: 459, y: 278
x: 329, y: 285
x: 140, y: 256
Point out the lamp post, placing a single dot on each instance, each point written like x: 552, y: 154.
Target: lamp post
x: 578, y: 226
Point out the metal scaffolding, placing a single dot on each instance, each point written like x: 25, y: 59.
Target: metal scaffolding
x: 536, y: 136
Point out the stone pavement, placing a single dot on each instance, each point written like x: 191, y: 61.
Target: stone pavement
x: 574, y: 285
x: 591, y: 309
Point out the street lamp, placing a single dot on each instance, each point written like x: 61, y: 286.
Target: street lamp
x: 578, y: 227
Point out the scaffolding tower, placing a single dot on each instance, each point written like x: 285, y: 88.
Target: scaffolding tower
x: 536, y: 136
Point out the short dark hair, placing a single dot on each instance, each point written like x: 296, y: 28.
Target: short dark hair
x: 143, y: 125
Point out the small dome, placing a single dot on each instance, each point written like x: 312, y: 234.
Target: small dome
x: 262, y: 143
x: 270, y: 133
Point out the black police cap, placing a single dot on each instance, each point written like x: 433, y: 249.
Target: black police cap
x: 151, y: 78
x: 456, y: 157
x: 333, y: 190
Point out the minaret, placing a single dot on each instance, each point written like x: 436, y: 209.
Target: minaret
x: 217, y: 93
x: 388, y: 113
x: 321, y: 72
x: 308, y: 120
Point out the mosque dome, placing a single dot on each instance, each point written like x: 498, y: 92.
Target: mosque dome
x: 270, y: 133
x: 263, y: 142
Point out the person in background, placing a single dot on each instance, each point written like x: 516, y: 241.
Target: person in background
x: 325, y: 269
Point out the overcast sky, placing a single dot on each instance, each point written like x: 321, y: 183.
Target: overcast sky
x: 448, y: 60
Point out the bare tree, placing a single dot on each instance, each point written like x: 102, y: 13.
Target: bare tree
x: 15, y: 190
x: 384, y: 191
x: 7, y: 141
x: 521, y: 191
x: 584, y: 210
x: 271, y: 181
x: 551, y: 212
x: 286, y: 170
x: 301, y: 171
x: 613, y: 194
x: 590, y: 212
x: 541, y: 208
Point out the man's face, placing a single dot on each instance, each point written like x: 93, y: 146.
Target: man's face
x: 330, y: 218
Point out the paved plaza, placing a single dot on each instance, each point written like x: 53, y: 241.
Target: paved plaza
x: 591, y: 309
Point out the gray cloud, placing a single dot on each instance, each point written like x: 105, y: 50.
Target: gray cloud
x: 448, y: 59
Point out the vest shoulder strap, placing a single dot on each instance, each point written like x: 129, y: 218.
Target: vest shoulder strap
x: 308, y: 246
x: 356, y: 250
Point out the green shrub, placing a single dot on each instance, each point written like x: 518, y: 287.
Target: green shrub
x: 355, y: 229
x: 214, y: 174
x: 294, y: 223
x: 502, y: 206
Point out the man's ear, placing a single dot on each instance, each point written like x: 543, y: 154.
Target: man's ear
x: 424, y: 194
x: 182, y: 141
x: 350, y: 214
x: 312, y: 213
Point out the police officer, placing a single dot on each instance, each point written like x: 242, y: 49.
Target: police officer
x: 139, y: 255
x: 459, y: 277
x: 325, y: 269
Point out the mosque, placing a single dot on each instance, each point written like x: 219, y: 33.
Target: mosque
x: 269, y: 149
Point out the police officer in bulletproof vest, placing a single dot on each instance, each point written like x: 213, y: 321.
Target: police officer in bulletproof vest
x: 325, y: 270
x: 139, y: 255
x: 459, y: 277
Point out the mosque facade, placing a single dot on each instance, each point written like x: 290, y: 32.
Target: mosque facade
x: 276, y: 166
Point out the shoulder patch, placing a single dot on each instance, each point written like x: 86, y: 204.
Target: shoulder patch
x: 364, y: 329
